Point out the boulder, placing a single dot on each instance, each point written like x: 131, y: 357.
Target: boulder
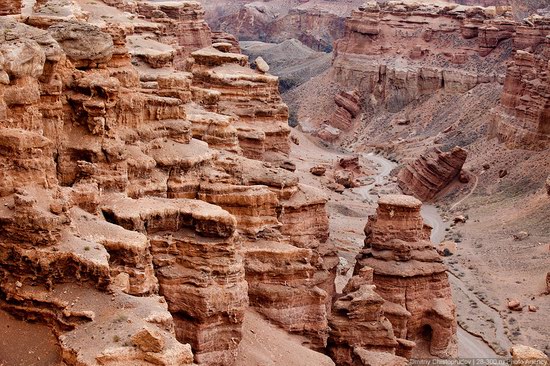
x: 338, y: 188
x: 463, y: 177
x: 148, y: 340
x: 288, y: 165
x: 344, y: 178
x: 521, y: 235
x: 318, y: 170
x: 447, y: 248
x: 514, y: 305
x: 261, y: 65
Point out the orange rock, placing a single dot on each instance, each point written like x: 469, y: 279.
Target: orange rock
x: 431, y: 172
x: 397, y: 250
x: 514, y: 305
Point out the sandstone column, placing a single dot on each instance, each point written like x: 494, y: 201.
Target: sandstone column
x: 410, y: 275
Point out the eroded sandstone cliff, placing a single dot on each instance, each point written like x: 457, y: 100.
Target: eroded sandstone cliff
x: 124, y: 181
x: 522, y: 120
x: 428, y: 175
x: 409, y: 275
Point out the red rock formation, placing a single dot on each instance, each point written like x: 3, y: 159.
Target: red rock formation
x: 223, y: 37
x: 397, y: 58
x: 359, y: 327
x: 123, y: 158
x: 409, y: 275
x: 253, y: 97
x: 426, y: 176
x: 10, y: 7
x: 348, y: 107
x: 183, y: 26
x: 522, y: 120
x: 206, y: 293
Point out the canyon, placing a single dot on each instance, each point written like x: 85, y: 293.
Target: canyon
x: 157, y: 208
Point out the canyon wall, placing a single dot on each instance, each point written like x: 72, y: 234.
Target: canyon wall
x: 522, y: 120
x: 128, y: 183
x: 398, y: 53
x: 316, y: 24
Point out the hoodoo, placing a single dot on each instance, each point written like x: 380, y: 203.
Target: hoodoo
x: 409, y: 275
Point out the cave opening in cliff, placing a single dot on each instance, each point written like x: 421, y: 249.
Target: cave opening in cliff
x: 426, y: 332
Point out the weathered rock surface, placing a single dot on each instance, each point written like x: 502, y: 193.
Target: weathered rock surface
x: 397, y: 53
x: 431, y: 172
x: 348, y: 107
x: 358, y: 322
x: 522, y: 120
x: 132, y: 179
x: 522, y: 355
x: 206, y: 293
x: 10, y: 7
x: 253, y: 97
x: 409, y: 275
x: 393, y: 53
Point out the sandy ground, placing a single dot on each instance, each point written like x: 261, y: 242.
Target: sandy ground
x: 35, y: 343
x: 264, y: 344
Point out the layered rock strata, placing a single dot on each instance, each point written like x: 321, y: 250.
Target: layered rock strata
x: 522, y: 120
x: 253, y: 97
x: 426, y: 176
x: 179, y: 25
x: 195, y: 251
x: 359, y: 331
x: 348, y: 107
x: 10, y: 7
x: 397, y: 52
x: 409, y: 275
x: 105, y: 170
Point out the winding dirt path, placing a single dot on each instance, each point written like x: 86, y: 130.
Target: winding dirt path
x: 467, y: 196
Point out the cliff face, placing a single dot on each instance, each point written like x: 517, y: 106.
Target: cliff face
x: 394, y: 54
x: 410, y: 276
x: 522, y: 120
x: 253, y: 97
x: 316, y: 24
x: 131, y: 210
x: 398, y: 52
